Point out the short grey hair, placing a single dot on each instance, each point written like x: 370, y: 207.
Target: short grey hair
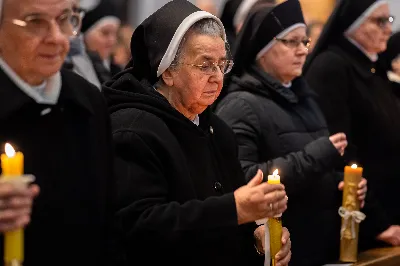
x: 206, y: 26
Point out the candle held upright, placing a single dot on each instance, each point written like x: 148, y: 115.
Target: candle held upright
x: 12, y: 164
x: 350, y: 213
x: 275, y: 224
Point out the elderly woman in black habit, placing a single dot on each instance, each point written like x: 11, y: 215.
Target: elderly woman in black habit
x: 182, y: 194
x: 279, y: 125
x: 357, y: 99
x: 60, y: 122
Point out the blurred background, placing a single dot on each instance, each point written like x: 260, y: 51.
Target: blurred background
x: 134, y: 12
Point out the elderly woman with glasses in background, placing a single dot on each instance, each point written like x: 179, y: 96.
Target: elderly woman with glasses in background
x: 60, y: 123
x: 278, y: 125
x: 357, y: 98
x: 182, y: 194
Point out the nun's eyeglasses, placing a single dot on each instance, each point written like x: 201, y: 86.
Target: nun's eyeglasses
x: 382, y: 21
x: 294, y: 43
x: 40, y: 25
x: 209, y: 68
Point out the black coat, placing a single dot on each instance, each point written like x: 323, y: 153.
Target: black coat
x: 358, y: 100
x: 69, y: 152
x: 176, y: 181
x: 278, y: 127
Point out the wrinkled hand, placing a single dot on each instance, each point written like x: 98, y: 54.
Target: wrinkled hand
x: 15, y: 205
x: 284, y: 255
x: 339, y: 140
x: 391, y: 235
x: 361, y: 192
x: 258, y: 200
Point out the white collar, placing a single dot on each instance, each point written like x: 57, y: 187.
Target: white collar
x: 196, y: 120
x: 372, y: 57
x: 48, y: 95
x: 287, y: 85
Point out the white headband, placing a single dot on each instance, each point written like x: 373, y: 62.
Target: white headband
x: 104, y: 21
x: 280, y: 35
x: 356, y: 24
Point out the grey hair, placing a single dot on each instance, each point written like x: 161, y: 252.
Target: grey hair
x: 206, y: 26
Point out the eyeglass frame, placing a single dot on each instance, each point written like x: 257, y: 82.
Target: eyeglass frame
x: 382, y: 21
x: 213, y: 66
x: 297, y: 42
x: 24, y: 23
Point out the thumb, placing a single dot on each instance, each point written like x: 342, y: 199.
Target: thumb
x: 341, y: 186
x: 257, y: 179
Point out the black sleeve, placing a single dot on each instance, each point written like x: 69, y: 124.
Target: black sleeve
x: 143, y: 196
x: 297, y: 167
x: 329, y: 77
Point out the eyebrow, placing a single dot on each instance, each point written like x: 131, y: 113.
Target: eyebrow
x: 38, y: 14
x: 209, y: 58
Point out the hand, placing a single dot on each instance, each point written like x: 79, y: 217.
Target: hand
x: 391, y: 235
x: 284, y: 255
x: 258, y: 200
x: 259, y: 235
x: 339, y: 141
x: 15, y: 206
x: 361, y: 192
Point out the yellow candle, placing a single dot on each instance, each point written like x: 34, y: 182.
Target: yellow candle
x: 275, y: 224
x: 12, y: 164
x: 349, y: 232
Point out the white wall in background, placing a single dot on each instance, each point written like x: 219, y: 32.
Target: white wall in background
x: 395, y: 9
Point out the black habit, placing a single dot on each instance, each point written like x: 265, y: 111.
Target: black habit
x: 175, y: 180
x: 357, y: 99
x: 67, y: 147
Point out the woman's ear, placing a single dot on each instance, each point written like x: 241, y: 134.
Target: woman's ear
x: 168, y: 78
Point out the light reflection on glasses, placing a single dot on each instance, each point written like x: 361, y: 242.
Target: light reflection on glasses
x: 40, y: 25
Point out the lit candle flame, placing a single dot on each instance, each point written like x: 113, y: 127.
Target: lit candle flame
x: 10, y: 152
x: 354, y: 166
x: 275, y: 172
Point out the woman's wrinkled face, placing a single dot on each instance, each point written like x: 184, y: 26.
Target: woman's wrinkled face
x: 34, y: 57
x: 194, y: 88
x: 285, y: 60
x: 102, y: 39
x: 374, y: 33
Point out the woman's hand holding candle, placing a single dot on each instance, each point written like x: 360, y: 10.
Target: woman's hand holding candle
x: 258, y: 200
x: 361, y: 192
x: 15, y: 205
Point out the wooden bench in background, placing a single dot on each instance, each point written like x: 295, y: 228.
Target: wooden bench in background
x: 380, y: 257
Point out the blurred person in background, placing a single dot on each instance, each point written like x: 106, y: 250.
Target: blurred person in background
x: 77, y: 59
x: 100, y: 27
x: 357, y: 98
x: 122, y: 51
x: 234, y: 14
x: 391, y: 59
x: 228, y: 13
x: 314, y: 30
x: 207, y: 5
